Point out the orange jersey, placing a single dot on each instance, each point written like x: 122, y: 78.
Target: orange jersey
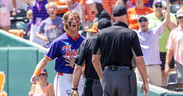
x: 108, y: 5
x: 134, y: 14
x: 134, y: 2
x: 61, y: 2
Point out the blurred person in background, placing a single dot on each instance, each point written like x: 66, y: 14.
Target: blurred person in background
x: 175, y: 49
x: 51, y: 27
x: 73, y: 5
x: 102, y: 15
x: 89, y: 12
x: 127, y: 3
x: 62, y: 7
x: 19, y: 4
x: 135, y: 12
x: 28, y: 25
x: 131, y: 3
x: 176, y: 5
x: 42, y: 87
x: 108, y: 6
x: 149, y: 3
x: 39, y: 14
x: 4, y: 15
x: 149, y: 43
x: 155, y: 19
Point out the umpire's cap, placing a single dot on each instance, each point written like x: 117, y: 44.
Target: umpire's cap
x: 104, y: 14
x: 119, y: 10
x: 104, y: 23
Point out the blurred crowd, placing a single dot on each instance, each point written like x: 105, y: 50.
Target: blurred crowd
x: 41, y: 21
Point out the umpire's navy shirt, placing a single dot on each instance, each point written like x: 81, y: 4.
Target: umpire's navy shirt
x: 115, y: 44
x: 85, y: 56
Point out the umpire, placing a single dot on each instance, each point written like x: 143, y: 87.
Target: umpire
x: 115, y: 47
x: 92, y: 85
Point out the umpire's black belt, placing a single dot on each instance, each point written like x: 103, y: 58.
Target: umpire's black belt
x: 114, y: 68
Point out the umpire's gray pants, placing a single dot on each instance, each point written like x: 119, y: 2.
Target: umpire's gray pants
x: 92, y: 88
x: 120, y: 82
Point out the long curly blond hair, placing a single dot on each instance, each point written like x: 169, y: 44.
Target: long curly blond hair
x: 66, y: 16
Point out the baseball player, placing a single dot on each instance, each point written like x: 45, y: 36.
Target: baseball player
x: 64, y: 50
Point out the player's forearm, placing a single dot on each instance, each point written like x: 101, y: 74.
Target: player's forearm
x: 40, y: 66
x: 76, y: 76
x: 142, y: 68
x: 97, y: 65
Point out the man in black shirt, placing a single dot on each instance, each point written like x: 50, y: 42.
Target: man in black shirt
x: 115, y: 48
x: 92, y: 85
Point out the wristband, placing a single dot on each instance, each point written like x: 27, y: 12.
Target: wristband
x: 76, y: 89
x: 37, y: 72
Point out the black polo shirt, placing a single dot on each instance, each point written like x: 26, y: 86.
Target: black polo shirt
x: 85, y: 57
x: 116, y: 44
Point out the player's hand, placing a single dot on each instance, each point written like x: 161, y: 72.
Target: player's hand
x: 145, y: 89
x: 70, y: 61
x: 75, y: 93
x: 34, y: 79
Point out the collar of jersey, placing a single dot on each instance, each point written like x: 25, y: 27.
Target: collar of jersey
x: 75, y: 39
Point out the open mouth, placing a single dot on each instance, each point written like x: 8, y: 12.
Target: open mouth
x: 73, y: 25
x: 52, y: 12
x: 143, y: 25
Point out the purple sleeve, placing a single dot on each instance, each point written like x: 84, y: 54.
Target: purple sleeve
x: 54, y: 51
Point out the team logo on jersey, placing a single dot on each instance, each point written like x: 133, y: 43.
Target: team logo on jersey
x: 69, y: 52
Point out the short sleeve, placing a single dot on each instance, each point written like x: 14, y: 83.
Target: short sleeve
x: 82, y: 54
x: 96, y: 45
x: 136, y: 45
x: 54, y: 51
